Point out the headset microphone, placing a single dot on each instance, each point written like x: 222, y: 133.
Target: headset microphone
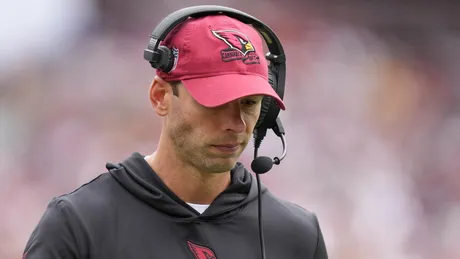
x: 263, y: 164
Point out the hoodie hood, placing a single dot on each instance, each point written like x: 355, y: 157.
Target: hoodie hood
x: 138, y: 178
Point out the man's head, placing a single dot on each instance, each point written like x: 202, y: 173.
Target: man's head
x: 211, y: 99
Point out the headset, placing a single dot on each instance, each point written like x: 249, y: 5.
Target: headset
x: 161, y: 57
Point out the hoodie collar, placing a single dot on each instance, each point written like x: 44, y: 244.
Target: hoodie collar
x: 137, y: 177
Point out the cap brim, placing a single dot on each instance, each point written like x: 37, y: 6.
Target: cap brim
x: 218, y: 90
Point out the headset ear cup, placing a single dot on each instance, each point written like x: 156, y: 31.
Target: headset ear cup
x: 266, y: 101
x: 166, y: 60
x: 263, y: 110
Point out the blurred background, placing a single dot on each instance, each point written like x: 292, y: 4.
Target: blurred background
x: 373, y: 119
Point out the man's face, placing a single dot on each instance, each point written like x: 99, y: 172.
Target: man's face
x: 210, y: 139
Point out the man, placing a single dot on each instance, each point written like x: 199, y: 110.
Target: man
x: 190, y: 198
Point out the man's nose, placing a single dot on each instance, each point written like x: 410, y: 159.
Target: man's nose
x: 233, y: 118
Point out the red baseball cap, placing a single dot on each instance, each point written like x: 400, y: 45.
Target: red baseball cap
x: 218, y: 59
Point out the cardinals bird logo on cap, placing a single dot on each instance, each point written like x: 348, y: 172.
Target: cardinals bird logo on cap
x: 239, y: 47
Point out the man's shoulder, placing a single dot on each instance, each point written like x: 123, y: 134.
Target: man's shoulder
x: 93, y: 195
x: 292, y: 212
x: 299, y: 224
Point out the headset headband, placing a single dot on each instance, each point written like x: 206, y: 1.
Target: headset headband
x: 276, y: 54
x: 161, y: 31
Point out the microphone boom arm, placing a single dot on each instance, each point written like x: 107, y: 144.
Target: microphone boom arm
x: 277, y: 160
x: 280, y: 132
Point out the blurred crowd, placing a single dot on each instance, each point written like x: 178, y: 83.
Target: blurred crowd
x: 372, y: 120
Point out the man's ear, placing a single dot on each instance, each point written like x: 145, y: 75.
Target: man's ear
x: 160, y: 96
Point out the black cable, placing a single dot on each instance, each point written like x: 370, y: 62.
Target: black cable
x: 258, y: 137
x: 261, y: 231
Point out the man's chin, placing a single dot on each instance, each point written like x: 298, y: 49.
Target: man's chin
x: 222, y: 165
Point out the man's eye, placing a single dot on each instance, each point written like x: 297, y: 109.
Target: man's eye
x: 249, y: 102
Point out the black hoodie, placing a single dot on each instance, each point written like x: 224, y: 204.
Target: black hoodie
x: 128, y: 212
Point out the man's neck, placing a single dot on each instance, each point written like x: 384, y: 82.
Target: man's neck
x: 187, y: 182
